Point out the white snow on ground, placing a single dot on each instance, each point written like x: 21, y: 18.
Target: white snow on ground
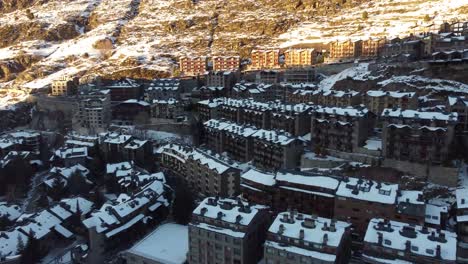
x: 421, y: 82
x: 373, y: 144
x: 8, y: 99
x: 167, y: 244
x: 385, y: 18
x: 358, y: 72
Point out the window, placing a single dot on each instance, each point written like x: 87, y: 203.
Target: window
x: 387, y: 242
x: 430, y: 251
x: 414, y: 248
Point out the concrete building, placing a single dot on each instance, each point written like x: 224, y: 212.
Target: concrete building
x: 340, y: 129
x: 397, y: 242
x: 193, y: 66
x: 66, y: 86
x: 94, y: 110
x: 227, y: 231
x: 208, y: 109
x: 131, y: 112
x: 301, y: 238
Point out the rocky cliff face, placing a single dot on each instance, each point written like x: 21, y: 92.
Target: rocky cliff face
x: 144, y: 38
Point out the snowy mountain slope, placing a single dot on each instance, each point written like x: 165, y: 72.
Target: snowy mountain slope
x: 143, y: 38
x: 384, y: 19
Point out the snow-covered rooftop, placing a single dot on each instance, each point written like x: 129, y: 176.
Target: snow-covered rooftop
x: 419, y: 114
x: 342, y: 111
x: 380, y: 93
x: 420, y: 240
x: 228, y: 210
x: 308, y: 228
x: 368, y: 190
x: 167, y: 244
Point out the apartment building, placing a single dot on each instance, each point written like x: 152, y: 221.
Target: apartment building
x: 124, y: 90
x: 340, y: 129
x: 404, y: 50
x: 459, y: 105
x: 193, y: 66
x: 344, y: 50
x: 227, y: 231
x: 303, y: 95
x: 391, y: 241
x: 163, y: 89
x: 299, y: 75
x: 299, y: 57
x: 415, y: 136
x: 291, y: 118
x: 226, y: 63
x: 301, y: 238
x: 376, y: 101
x: 360, y: 200
x: 232, y: 138
x: 111, y: 145
x: 268, y: 77
x: 132, y: 112
x: 287, y: 189
x: 168, y: 109
x: 246, y: 111
x: 94, y: 110
x: 371, y: 48
x: 335, y: 98
x: 112, y: 223
x: 274, y: 150
x: 205, y: 174
x: 65, y: 86
x: 462, y: 224
x: 264, y: 59
x: 221, y: 79
x: 208, y: 109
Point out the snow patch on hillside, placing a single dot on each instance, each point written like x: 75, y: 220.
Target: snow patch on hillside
x: 359, y: 72
x: 421, y: 82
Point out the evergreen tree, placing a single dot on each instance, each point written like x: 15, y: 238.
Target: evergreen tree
x: 20, y: 245
x: 32, y: 252
x: 57, y: 190
x: 77, y: 184
x: 183, y: 205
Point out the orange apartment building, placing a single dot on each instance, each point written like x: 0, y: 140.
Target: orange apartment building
x: 343, y: 51
x: 264, y: 59
x: 299, y: 57
x: 193, y: 66
x: 226, y: 63
x: 371, y: 47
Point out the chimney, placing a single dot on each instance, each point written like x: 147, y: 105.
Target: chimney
x: 438, y: 252
x: 219, y: 216
x: 408, y: 245
x: 325, y: 226
x: 379, y: 238
x: 325, y: 239
x: 281, y: 229
x: 285, y: 218
x: 301, y: 234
